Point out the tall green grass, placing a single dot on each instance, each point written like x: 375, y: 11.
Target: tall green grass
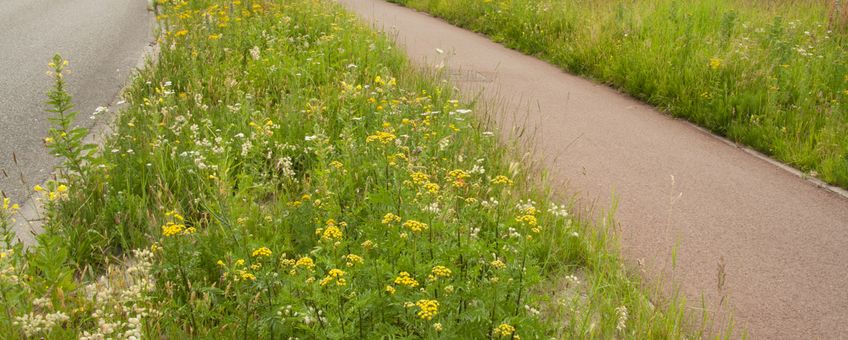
x: 281, y: 171
x: 772, y: 75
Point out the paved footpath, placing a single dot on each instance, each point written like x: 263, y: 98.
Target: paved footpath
x: 103, y: 40
x: 783, y: 241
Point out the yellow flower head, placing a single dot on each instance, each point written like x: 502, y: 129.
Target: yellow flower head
x: 526, y: 219
x: 715, y: 63
x: 353, y: 259
x: 498, y: 264
x: 420, y: 178
x: 432, y: 188
x: 334, y: 275
x: 171, y: 229
x: 458, y: 174
x: 305, y: 262
x: 441, y: 271
x: 390, y: 218
x: 415, y: 226
x: 332, y: 233
x: 404, y: 279
x: 504, y: 330
x: 9, y: 207
x: 428, y: 309
x: 501, y: 179
x: 263, y: 252
x: 382, y: 137
x: 246, y: 275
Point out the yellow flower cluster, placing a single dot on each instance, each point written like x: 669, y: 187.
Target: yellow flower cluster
x: 9, y: 207
x: 390, y: 218
x: 415, y: 226
x: 441, y: 271
x: 332, y: 233
x: 240, y: 274
x: 498, y: 264
x: 263, y: 252
x: 336, y: 164
x: 245, y: 275
x: 353, y: 259
x: 458, y: 177
x: 432, y: 188
x: 336, y: 275
x: 505, y: 330
x: 715, y: 63
x: 404, y: 279
x: 526, y: 219
x: 382, y: 137
x: 171, y: 229
x: 305, y: 262
x: 60, y: 193
x: 501, y: 179
x: 420, y: 178
x: 428, y: 309
x: 390, y: 290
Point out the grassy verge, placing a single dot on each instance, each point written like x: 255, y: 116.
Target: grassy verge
x: 281, y: 171
x: 771, y: 75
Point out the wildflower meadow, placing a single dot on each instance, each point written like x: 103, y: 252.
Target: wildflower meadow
x: 281, y: 171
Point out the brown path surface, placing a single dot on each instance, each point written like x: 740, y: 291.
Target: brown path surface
x: 783, y: 240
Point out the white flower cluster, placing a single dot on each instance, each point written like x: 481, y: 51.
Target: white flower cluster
x: 312, y: 314
x: 621, y: 312
x: 37, y: 323
x: 119, y: 298
x: 526, y: 205
x: 255, y: 53
x: 558, y: 210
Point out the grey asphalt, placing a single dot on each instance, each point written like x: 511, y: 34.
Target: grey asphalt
x: 103, y: 40
x: 782, y: 240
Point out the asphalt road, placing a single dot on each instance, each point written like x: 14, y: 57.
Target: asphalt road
x: 779, y: 240
x: 102, y: 39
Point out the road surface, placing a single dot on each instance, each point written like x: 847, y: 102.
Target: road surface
x: 783, y: 241
x: 103, y: 40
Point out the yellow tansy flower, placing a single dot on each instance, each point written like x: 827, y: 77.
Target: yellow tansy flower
x: 263, y: 252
